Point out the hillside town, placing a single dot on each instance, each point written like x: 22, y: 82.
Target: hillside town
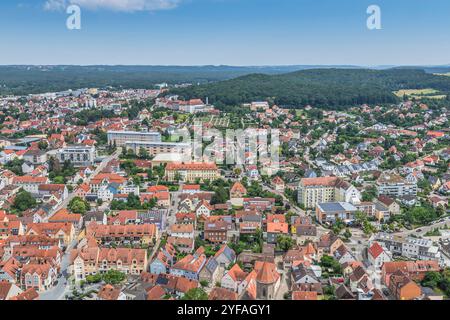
x: 103, y: 198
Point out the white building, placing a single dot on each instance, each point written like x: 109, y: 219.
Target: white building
x: 79, y: 156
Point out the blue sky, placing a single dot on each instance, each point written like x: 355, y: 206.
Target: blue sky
x: 232, y: 32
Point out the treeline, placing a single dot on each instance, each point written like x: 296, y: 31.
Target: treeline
x: 318, y: 87
x: 23, y: 80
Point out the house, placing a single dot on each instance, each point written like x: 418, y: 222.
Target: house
x: 416, y: 270
x: 278, y: 184
x: 38, y: 276
x: 29, y: 183
x: 303, y: 227
x: 210, y: 271
x: 48, y: 189
x: 204, y: 209
x: 377, y: 255
x: 275, y: 229
x: 216, y: 230
x: 63, y: 216
x: 63, y: 231
x: 225, y: 256
x: 391, y: 204
x: 134, y: 235
x: 233, y: 278
x: 344, y: 293
x: 163, y: 260
x: 182, y: 231
x: 237, y: 194
x: 302, y: 274
x: 328, y: 243
x: 222, y: 294
x: 91, y: 260
x: 110, y: 293
x: 8, y: 290
x: 402, y: 287
x: 190, y: 266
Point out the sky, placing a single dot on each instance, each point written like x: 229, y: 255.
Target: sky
x: 225, y: 32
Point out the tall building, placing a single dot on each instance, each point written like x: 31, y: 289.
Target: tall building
x: 120, y: 138
x: 79, y: 156
x: 395, y: 185
x: 312, y: 191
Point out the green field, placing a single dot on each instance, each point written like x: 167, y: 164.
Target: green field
x: 420, y: 93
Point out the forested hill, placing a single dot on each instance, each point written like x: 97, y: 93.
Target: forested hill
x: 38, y: 79
x: 318, y: 87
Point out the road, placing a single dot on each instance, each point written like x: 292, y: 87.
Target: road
x: 99, y: 169
x: 62, y: 288
x: 425, y: 229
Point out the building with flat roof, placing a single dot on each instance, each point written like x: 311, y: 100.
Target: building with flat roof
x: 329, y: 212
x: 79, y: 156
x: 120, y: 138
x: 155, y: 148
x: 395, y: 185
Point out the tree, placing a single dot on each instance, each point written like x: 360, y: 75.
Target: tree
x: 23, y: 201
x: 113, y: 277
x: 78, y: 205
x: 347, y: 234
x: 195, y: 294
x: 285, y: 243
x: 220, y: 196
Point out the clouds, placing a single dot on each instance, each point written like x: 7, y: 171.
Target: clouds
x: 114, y: 5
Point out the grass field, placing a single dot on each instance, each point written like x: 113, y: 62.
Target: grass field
x: 420, y: 93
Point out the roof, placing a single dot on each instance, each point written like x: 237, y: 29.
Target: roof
x: 375, y: 250
x: 304, y: 295
x: 30, y: 294
x: 222, y: 294
x: 108, y: 292
x: 266, y: 272
x: 191, y: 166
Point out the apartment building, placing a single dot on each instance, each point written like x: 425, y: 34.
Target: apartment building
x: 92, y: 260
x: 395, y: 186
x: 192, y: 172
x: 79, y: 156
x: 312, y: 191
x: 120, y: 138
x: 29, y: 183
x: 409, y: 247
x: 155, y: 148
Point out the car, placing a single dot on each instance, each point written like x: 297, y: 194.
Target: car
x: 419, y: 230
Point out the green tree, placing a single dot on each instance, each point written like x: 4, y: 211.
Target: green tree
x: 23, y: 201
x: 113, y: 277
x: 195, y: 294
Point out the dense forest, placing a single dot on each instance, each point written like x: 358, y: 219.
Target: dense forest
x: 21, y: 80
x: 318, y: 87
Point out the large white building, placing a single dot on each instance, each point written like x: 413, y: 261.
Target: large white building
x: 120, y: 138
x: 395, y: 186
x: 155, y: 148
x: 312, y: 191
x: 79, y: 156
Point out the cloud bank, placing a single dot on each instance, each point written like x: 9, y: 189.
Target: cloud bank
x: 114, y: 5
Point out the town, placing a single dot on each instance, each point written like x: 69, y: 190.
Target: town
x: 101, y: 199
